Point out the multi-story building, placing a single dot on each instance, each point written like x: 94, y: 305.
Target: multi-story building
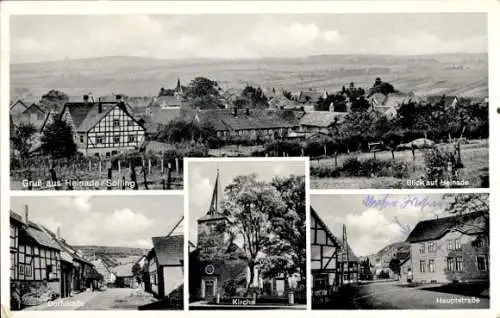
x: 333, y: 263
x: 35, y: 263
x: 454, y: 248
x: 103, y: 128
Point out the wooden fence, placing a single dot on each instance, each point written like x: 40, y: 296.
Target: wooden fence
x: 91, y: 174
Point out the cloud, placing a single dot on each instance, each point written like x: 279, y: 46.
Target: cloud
x: 370, y: 231
x: 118, y: 228
x: 79, y: 203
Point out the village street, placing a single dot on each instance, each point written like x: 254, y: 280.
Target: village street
x: 109, y: 299
x: 389, y: 295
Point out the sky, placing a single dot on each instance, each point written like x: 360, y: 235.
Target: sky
x: 128, y: 221
x: 372, y: 227
x: 202, y: 175
x: 44, y: 38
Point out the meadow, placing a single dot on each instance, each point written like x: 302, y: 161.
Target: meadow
x: 474, y: 157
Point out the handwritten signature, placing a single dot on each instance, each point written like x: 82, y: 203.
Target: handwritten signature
x: 421, y: 202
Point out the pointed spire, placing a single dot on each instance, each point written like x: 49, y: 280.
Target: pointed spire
x: 178, y: 88
x: 214, y: 204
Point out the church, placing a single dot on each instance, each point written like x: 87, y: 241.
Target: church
x: 218, y: 270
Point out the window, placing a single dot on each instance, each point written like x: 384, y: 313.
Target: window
x: 481, y: 263
x: 422, y: 266
x: 116, y: 139
x: 130, y: 122
x: 450, y: 265
x: 422, y: 248
x: 431, y: 247
x: 219, y: 134
x: 478, y: 243
x: 458, y: 245
x: 432, y: 266
x: 98, y: 140
x: 131, y: 138
x: 81, y: 139
x: 460, y: 264
x: 449, y: 243
x: 116, y: 123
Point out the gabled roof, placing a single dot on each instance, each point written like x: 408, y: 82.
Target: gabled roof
x: 166, y: 101
x: 343, y: 253
x: 169, y: 250
x: 436, y: 228
x: 101, y: 267
x: 323, y: 119
x: 397, y: 246
x: 311, y: 96
x: 225, y: 120
x: 280, y: 101
x: 123, y: 270
x: 34, y: 232
x: 16, y: 102
x: 86, y: 115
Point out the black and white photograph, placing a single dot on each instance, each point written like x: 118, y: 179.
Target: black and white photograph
x: 379, y: 100
x: 96, y: 253
x: 247, y: 234
x: 400, y: 251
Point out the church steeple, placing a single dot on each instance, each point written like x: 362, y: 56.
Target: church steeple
x: 178, y: 88
x: 214, y: 204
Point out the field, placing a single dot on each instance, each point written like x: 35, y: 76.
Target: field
x: 461, y: 74
x: 112, y: 255
x: 474, y: 156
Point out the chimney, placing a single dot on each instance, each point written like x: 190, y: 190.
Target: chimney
x: 58, y: 233
x: 99, y: 105
x: 235, y: 112
x: 86, y: 98
x: 247, y: 111
x: 26, y: 214
x: 119, y: 98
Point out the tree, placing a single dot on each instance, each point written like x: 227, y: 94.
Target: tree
x: 22, y: 138
x: 248, y: 206
x: 254, y: 97
x: 201, y: 87
x: 465, y: 203
x: 395, y: 266
x: 53, y: 100
x: 57, y: 139
x: 289, y: 228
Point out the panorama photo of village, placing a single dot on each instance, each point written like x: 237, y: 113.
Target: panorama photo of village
x: 396, y: 251
x: 120, y: 253
x: 402, y: 105
x: 247, y: 234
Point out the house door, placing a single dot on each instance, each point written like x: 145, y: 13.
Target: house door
x: 209, y: 290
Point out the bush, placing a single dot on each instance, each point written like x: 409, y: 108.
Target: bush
x: 383, y: 275
x: 368, y: 168
x: 440, y: 165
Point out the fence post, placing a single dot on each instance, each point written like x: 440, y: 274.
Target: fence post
x: 283, y: 154
x: 169, y: 176
x: 133, y: 177
x: 149, y: 166
x: 145, y: 177
x: 53, y: 175
x: 324, y: 148
x: 110, y: 174
x: 90, y: 165
x: 302, y: 151
x: 177, y: 165
x: 100, y: 168
x: 119, y: 166
x: 162, y: 166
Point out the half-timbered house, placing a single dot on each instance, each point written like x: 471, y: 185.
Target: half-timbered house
x: 35, y: 263
x: 103, y: 128
x: 333, y: 263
